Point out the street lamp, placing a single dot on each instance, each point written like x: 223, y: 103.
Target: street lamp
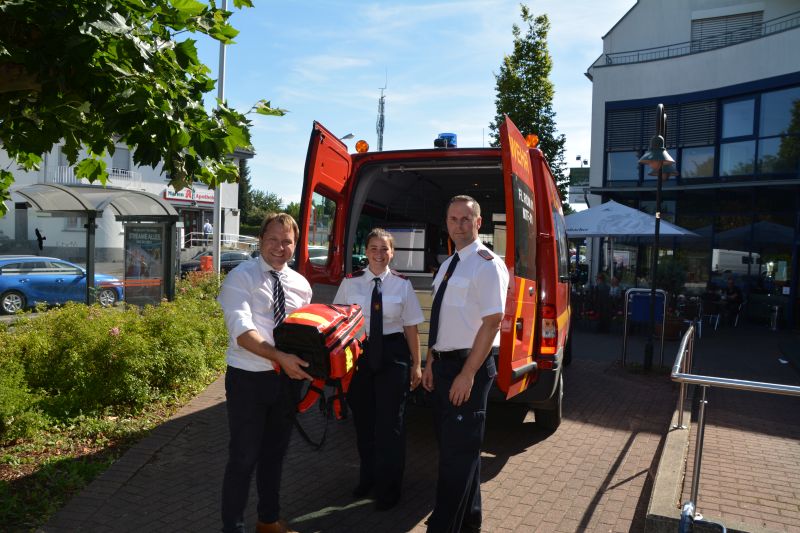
x: 663, y: 166
x: 345, y: 137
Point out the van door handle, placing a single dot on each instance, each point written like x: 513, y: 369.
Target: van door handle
x: 530, y: 291
x: 518, y: 328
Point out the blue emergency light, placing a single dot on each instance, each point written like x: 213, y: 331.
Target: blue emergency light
x: 446, y: 140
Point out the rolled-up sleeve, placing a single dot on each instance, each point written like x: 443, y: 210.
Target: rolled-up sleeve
x: 235, y: 299
x: 412, y: 312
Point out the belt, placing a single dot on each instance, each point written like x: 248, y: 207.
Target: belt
x: 458, y: 355
x: 451, y: 355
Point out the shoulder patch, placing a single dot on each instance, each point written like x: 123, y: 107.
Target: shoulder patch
x: 398, y: 274
x: 486, y: 254
x: 356, y: 274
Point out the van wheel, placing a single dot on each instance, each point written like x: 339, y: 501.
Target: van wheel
x: 550, y: 418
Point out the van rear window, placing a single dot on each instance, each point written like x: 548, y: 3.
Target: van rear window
x: 524, y: 230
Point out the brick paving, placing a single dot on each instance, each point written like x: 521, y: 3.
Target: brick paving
x: 594, y: 474
x: 750, y: 471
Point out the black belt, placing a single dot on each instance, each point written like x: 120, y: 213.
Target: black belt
x: 451, y: 355
x: 457, y: 355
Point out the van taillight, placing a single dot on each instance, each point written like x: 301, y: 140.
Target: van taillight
x: 549, y: 335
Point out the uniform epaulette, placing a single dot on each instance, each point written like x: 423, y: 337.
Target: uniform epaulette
x: 356, y: 274
x: 486, y: 254
x: 398, y: 274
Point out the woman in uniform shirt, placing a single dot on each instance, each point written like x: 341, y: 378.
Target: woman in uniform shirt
x: 389, y: 367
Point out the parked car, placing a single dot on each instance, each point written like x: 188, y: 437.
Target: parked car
x: 27, y: 280
x: 228, y: 261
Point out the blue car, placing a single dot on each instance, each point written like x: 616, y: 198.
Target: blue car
x: 27, y: 280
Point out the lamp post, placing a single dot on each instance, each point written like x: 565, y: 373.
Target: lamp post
x: 663, y: 166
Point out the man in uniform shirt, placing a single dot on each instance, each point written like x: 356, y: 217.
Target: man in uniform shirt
x: 464, y: 336
x: 261, y: 402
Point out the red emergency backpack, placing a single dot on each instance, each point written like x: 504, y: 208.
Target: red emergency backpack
x: 330, y: 338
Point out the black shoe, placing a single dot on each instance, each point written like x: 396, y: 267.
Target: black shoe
x: 362, y: 490
x: 385, y: 505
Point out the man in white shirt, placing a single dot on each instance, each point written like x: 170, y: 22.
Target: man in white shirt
x: 261, y: 402
x: 464, y: 335
x: 208, y: 229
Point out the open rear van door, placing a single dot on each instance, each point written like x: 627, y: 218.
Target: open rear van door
x: 517, y: 330
x: 319, y: 252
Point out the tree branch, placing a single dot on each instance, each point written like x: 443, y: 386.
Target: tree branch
x: 15, y: 77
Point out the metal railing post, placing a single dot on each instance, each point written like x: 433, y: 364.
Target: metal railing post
x: 698, y: 447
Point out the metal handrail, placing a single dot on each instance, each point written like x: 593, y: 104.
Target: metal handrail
x: 713, y: 42
x: 196, y: 238
x: 681, y: 373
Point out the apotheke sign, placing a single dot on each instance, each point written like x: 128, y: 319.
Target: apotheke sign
x: 189, y: 195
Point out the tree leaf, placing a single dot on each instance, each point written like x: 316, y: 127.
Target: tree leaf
x: 263, y: 107
x: 92, y: 169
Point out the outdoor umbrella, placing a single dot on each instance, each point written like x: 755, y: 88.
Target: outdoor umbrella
x: 613, y: 219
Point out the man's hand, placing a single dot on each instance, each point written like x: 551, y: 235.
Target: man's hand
x: 293, y: 366
x: 461, y: 388
x: 427, y: 374
x: 416, y: 375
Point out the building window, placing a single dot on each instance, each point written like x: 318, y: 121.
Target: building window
x: 716, y: 32
x: 623, y: 166
x: 697, y: 162
x: 780, y: 112
x: 736, y: 159
x: 74, y: 223
x: 778, y: 155
x: 737, y: 118
x: 121, y: 159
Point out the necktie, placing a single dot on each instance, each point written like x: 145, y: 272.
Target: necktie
x: 437, y: 302
x: 279, y: 307
x: 376, y: 326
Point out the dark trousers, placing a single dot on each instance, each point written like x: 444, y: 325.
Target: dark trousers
x: 460, y: 433
x: 378, y: 401
x: 261, y: 410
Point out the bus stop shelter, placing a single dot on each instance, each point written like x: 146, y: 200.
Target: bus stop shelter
x: 135, y: 209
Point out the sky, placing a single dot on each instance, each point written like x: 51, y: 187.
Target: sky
x: 328, y: 60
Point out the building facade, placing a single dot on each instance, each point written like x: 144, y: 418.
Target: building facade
x: 730, y: 84
x: 65, y: 236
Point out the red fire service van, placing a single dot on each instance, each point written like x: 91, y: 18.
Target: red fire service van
x: 406, y: 192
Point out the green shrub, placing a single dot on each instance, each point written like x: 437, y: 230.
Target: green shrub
x: 77, y: 360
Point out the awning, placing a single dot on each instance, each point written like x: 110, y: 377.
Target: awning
x: 81, y: 200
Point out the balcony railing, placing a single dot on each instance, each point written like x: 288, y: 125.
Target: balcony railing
x: 117, y: 177
x: 757, y: 31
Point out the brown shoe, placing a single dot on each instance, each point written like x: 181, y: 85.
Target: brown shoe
x: 274, y: 527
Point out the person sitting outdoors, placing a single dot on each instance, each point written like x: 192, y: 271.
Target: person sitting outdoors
x: 733, y: 299
x: 602, y: 303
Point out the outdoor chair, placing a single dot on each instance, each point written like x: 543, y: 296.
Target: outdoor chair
x: 692, y: 313
x: 711, y: 311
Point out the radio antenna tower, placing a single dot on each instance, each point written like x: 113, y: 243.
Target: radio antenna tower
x: 381, y: 104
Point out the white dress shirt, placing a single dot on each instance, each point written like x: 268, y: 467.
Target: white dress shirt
x: 400, y: 304
x: 247, y: 300
x: 477, y: 288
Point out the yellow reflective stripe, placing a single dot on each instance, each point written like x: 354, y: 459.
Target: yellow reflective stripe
x: 520, y: 296
x: 562, y: 319
x: 348, y: 359
x: 310, y: 316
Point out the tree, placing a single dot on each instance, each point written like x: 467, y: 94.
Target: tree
x: 525, y: 93
x: 263, y: 203
x: 96, y: 72
x: 293, y: 209
x: 245, y: 201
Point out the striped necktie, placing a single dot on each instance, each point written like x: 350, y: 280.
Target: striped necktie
x: 279, y: 308
x: 437, y: 302
x: 376, y: 327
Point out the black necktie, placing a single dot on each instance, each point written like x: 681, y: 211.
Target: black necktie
x: 279, y: 308
x: 437, y: 302
x: 376, y: 326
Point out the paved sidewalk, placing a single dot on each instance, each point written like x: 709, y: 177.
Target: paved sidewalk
x: 594, y: 474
